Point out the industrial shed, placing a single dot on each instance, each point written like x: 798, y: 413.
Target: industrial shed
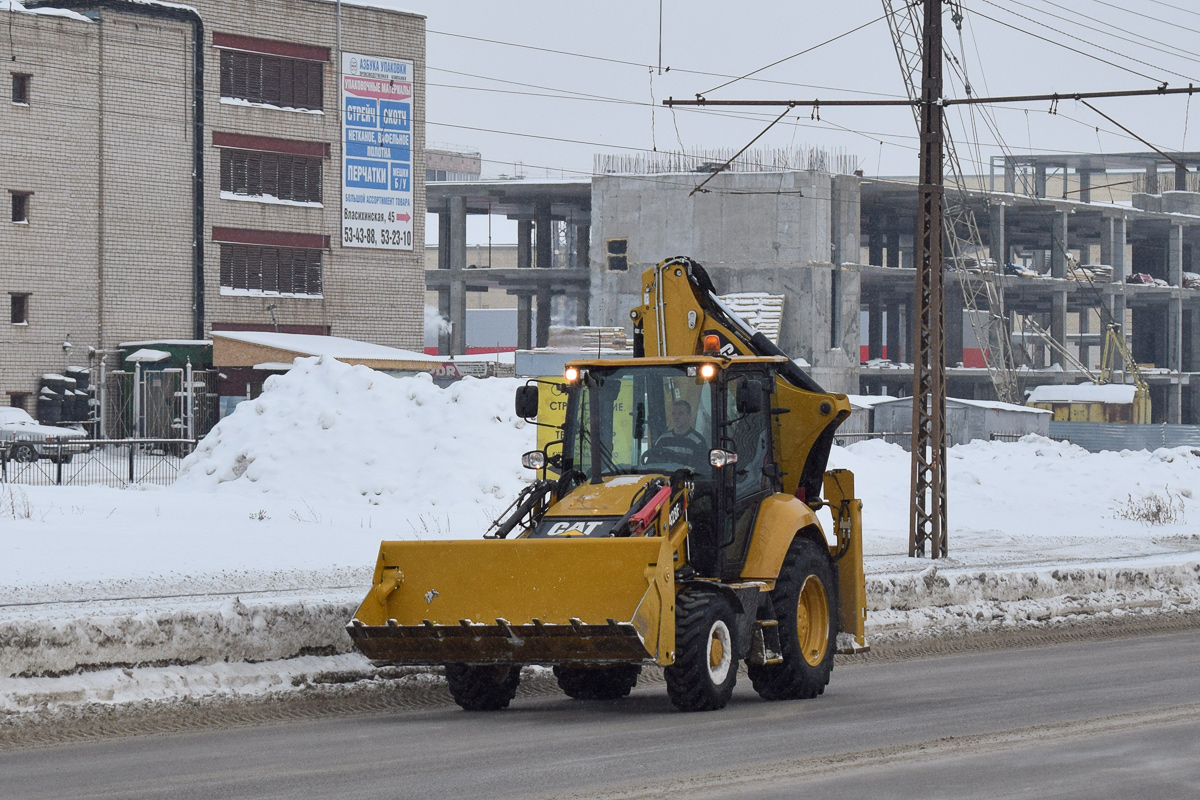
x: 1089, y: 402
x: 967, y: 420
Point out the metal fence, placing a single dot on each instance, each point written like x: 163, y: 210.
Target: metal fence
x: 1098, y: 436
x: 903, y: 439
x: 99, y: 462
x: 168, y: 403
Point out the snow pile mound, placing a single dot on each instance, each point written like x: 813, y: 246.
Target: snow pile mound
x: 1033, y: 501
x: 43, y: 641
x: 335, y: 431
x: 939, y: 601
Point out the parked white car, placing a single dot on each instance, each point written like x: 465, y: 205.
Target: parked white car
x: 26, y: 440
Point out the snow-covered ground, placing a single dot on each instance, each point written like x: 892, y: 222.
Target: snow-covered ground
x: 239, y: 578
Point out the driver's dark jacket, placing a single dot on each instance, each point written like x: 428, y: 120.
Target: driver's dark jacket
x: 688, y: 446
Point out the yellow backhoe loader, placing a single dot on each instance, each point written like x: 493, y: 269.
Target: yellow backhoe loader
x: 674, y: 522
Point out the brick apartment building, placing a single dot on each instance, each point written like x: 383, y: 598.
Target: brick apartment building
x: 173, y: 170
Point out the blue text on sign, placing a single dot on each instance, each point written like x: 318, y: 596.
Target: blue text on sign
x: 362, y: 112
x: 366, y: 174
x: 395, y: 116
x: 401, y: 181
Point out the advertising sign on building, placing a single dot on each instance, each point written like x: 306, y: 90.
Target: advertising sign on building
x: 377, y: 195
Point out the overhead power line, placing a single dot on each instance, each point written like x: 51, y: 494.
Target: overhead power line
x: 623, y: 62
x: 1177, y: 8
x: 890, y: 138
x: 1174, y: 25
x: 1170, y: 158
x: 1084, y: 53
x: 947, y: 101
x: 796, y: 55
x: 1146, y: 41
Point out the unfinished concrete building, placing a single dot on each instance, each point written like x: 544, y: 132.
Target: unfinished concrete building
x: 548, y: 213
x: 785, y: 233
x: 1071, y: 255
x: 1066, y: 244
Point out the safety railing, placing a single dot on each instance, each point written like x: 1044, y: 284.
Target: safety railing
x: 92, y: 462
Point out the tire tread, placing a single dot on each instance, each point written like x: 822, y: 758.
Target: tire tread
x: 482, y: 688
x: 794, y: 679
x: 688, y: 683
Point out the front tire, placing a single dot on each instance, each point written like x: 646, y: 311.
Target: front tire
x: 597, y: 683
x: 25, y: 453
x: 705, y: 668
x: 482, y: 688
x: 805, y: 602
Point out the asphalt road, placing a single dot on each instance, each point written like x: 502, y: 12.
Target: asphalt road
x: 1117, y: 718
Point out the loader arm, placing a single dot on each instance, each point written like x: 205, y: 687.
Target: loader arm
x: 680, y: 308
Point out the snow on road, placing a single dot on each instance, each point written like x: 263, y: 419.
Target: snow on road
x: 262, y: 548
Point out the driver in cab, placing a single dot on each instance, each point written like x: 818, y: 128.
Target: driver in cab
x: 682, y: 442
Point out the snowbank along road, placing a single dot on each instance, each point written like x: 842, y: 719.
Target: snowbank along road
x: 236, y: 582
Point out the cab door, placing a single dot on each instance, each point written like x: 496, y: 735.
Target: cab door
x: 745, y: 429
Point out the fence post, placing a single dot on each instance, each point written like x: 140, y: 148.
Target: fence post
x: 131, y: 446
x: 58, y: 462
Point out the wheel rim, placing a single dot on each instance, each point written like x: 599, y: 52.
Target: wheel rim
x: 812, y: 621
x: 720, y: 652
x: 24, y: 453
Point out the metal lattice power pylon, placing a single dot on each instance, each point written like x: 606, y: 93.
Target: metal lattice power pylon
x: 927, y: 505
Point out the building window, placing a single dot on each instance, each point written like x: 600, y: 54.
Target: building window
x: 20, y: 206
x: 19, y: 400
x: 20, y: 88
x: 618, y: 254
x: 19, y: 303
x: 271, y: 270
x: 274, y: 80
x: 257, y: 174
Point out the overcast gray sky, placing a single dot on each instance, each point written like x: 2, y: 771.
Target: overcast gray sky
x: 485, y: 93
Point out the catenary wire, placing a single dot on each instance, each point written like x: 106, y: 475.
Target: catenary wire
x: 1178, y: 52
x: 621, y: 61
x: 796, y: 55
x: 1143, y: 15
x: 981, y: 15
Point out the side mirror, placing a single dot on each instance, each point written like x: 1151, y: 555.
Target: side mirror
x: 749, y: 397
x: 527, y: 401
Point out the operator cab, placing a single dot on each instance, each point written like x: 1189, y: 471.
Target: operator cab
x: 703, y: 421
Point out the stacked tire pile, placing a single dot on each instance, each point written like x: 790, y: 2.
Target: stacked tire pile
x: 64, y: 399
x: 79, y: 406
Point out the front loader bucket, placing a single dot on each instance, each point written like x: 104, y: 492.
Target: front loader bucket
x: 520, y: 601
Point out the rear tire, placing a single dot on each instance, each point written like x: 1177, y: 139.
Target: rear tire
x: 805, y: 602
x: 25, y: 453
x: 597, y: 683
x: 482, y: 688
x: 705, y: 668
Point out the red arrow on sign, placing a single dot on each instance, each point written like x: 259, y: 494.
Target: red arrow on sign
x: 403, y: 217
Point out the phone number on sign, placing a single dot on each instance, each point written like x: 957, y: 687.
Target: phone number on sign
x: 384, y: 237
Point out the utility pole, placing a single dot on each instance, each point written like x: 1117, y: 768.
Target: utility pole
x: 927, y: 505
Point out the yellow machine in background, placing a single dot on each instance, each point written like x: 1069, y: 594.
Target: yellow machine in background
x: 674, y: 522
